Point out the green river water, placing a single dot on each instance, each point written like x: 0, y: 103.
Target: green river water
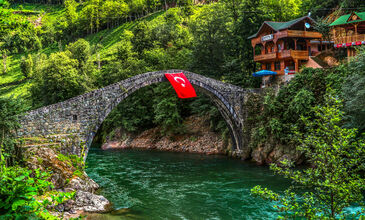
x: 164, y: 185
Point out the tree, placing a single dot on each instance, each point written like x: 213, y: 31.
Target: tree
x: 322, y: 26
x: 80, y: 50
x: 9, y: 110
x: 113, y: 11
x: 334, y: 180
x: 353, y: 91
x: 211, y: 31
x: 71, y: 14
x: 59, y: 79
x: 26, y: 65
x: 5, y: 57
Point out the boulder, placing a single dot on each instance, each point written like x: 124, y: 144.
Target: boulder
x: 89, y: 202
x: 84, y: 184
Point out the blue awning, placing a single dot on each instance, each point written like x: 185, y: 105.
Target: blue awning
x: 264, y: 73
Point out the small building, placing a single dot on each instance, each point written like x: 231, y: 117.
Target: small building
x: 283, y: 47
x: 348, y: 31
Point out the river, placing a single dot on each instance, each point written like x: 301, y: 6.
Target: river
x: 145, y: 184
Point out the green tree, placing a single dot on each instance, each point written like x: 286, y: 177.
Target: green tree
x: 113, y: 12
x: 211, y: 31
x: 26, y: 65
x: 80, y: 50
x: 10, y: 108
x: 59, y: 79
x: 353, y: 91
x: 71, y: 14
x: 334, y: 180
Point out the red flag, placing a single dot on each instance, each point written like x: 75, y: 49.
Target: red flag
x: 181, y: 85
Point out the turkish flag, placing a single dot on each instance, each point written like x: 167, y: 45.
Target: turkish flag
x: 181, y: 85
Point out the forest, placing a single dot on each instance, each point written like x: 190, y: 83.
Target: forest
x: 53, y: 50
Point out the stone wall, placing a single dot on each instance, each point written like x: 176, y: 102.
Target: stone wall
x: 84, y: 114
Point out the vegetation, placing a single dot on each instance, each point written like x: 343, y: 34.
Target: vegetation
x: 26, y: 194
x: 334, y: 180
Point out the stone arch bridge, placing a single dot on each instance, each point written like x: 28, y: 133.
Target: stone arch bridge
x: 84, y: 114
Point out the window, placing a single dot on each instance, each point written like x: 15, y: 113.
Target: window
x: 277, y: 65
x: 268, y: 66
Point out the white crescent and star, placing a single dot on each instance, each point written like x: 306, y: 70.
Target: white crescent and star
x: 177, y: 78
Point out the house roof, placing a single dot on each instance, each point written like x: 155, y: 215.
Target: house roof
x: 344, y: 19
x: 277, y: 26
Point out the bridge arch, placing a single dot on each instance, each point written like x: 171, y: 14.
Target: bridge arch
x: 85, y: 114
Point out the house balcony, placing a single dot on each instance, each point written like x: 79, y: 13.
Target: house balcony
x: 298, y: 34
x: 265, y: 57
x: 290, y: 34
x: 293, y: 54
x: 349, y: 39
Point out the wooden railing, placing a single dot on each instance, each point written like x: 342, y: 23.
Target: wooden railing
x: 295, y: 54
x: 261, y: 57
x: 349, y: 39
x: 309, y: 34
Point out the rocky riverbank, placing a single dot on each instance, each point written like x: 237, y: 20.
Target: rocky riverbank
x: 67, y: 177
x: 199, y: 138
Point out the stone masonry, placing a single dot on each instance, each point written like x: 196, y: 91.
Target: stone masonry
x: 84, y: 114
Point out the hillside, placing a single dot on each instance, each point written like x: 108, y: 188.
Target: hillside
x: 13, y: 82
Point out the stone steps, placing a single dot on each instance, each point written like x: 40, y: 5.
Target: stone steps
x: 46, y: 141
x: 42, y: 145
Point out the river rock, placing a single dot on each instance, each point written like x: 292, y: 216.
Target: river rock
x: 89, y: 202
x: 86, y: 184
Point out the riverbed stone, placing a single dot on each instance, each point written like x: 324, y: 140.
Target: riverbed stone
x: 85, y: 184
x: 90, y: 202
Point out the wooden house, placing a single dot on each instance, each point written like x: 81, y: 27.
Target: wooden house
x: 348, y: 31
x: 282, y: 46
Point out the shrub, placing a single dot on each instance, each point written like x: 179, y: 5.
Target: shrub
x: 23, y: 194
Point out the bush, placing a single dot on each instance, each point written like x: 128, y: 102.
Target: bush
x: 23, y: 194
